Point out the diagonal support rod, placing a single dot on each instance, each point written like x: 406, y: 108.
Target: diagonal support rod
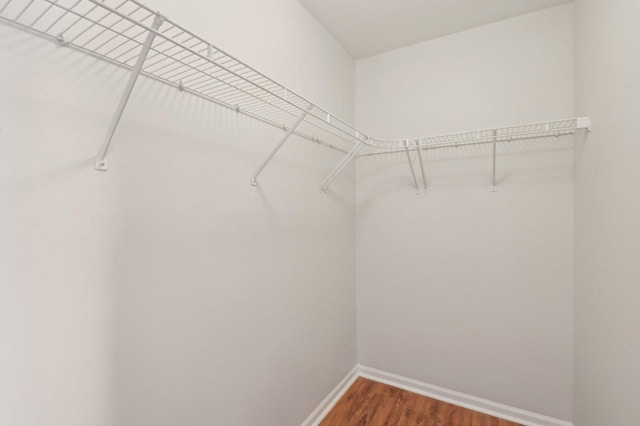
x: 424, y: 177
x: 324, y: 186
x: 413, y: 172
x: 101, y: 159
x: 493, y: 180
x: 254, y: 178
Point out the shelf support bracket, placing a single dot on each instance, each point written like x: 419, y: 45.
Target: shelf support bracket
x: 424, y: 177
x: 101, y: 159
x: 413, y: 172
x: 324, y: 186
x: 254, y: 178
x: 493, y: 180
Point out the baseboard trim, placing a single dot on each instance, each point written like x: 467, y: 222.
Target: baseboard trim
x: 517, y: 415
x: 327, y: 404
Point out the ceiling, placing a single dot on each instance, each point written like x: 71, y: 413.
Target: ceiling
x: 367, y: 27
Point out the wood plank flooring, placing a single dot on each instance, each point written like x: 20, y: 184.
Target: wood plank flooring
x: 369, y: 403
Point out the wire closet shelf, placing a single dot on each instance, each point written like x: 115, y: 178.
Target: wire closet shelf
x: 131, y: 35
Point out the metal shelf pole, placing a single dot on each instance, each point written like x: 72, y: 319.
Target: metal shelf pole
x: 493, y: 180
x: 424, y: 177
x: 324, y: 186
x: 254, y: 178
x: 413, y: 172
x: 101, y: 159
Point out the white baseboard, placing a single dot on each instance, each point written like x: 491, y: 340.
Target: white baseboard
x: 517, y: 415
x: 327, y: 404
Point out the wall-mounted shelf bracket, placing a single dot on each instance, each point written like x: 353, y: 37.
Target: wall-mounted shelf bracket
x: 324, y: 186
x: 418, y: 149
x: 424, y: 176
x: 493, y: 179
x: 413, y: 172
x: 289, y: 132
x: 63, y: 42
x: 101, y: 159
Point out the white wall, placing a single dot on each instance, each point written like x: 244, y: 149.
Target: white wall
x: 168, y: 290
x: 607, y: 66
x: 465, y: 288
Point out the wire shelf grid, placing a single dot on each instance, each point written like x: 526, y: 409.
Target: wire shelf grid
x: 115, y: 31
x: 548, y: 129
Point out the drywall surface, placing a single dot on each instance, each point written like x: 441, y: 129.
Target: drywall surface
x: 607, y: 343
x: 464, y: 288
x: 169, y: 290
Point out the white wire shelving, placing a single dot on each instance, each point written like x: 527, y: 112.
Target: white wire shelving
x: 493, y: 136
x: 131, y: 35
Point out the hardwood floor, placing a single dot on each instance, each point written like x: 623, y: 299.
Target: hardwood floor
x: 369, y: 403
